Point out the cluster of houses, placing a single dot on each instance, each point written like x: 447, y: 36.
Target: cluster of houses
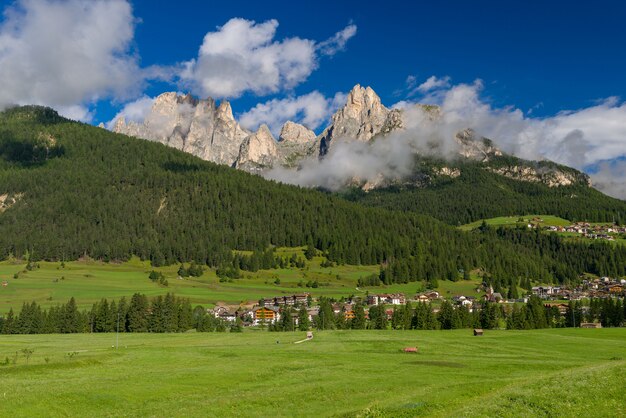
x: 597, y: 288
x: 269, y: 310
x: 606, y: 232
x: 293, y: 300
x: 386, y: 299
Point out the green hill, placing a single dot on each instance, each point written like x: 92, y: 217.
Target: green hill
x: 68, y: 190
x: 480, y: 193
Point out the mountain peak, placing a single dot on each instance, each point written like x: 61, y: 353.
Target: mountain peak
x: 361, y: 118
x: 294, y: 132
x: 224, y: 111
x: 258, y: 151
x: 362, y: 99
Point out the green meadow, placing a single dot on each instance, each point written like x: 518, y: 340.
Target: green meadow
x: 552, y: 372
x: 89, y: 281
x: 546, y: 220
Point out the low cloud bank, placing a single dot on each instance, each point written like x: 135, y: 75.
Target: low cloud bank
x: 577, y: 138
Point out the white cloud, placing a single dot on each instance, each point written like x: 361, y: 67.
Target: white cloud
x: 433, y: 83
x: 348, y: 160
x: 338, y: 41
x: 135, y: 111
x: 411, y: 82
x: 574, y: 138
x: 243, y: 56
x: 610, y: 178
x: 67, y: 54
x: 312, y: 110
x: 76, y: 112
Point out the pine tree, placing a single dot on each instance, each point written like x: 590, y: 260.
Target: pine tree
x: 359, y: 320
x: 8, y: 327
x: 325, y: 316
x: 185, y: 316
x: 182, y: 271
x: 303, y: 319
x: 137, y: 316
x: 70, y: 318
x: 310, y: 251
x: 447, y: 316
x: 286, y: 320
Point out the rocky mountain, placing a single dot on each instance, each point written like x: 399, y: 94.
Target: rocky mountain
x: 70, y: 190
x: 209, y: 131
x: 258, y: 151
x: 362, y: 118
x: 199, y: 127
x: 295, y: 143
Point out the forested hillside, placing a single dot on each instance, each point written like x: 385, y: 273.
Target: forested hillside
x: 70, y: 189
x: 479, y: 193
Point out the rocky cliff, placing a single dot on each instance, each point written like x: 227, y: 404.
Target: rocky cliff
x: 258, y: 151
x: 295, y: 143
x: 209, y: 131
x: 361, y: 118
x: 199, y: 127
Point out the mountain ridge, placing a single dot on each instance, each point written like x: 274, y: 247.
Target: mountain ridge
x: 212, y: 133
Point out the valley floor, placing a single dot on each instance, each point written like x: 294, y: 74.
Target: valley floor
x: 554, y: 372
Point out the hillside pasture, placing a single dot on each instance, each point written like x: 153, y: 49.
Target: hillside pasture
x: 545, y: 220
x: 89, y: 281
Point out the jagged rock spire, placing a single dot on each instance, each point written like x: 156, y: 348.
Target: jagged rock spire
x: 361, y: 118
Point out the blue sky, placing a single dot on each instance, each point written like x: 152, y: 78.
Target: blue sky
x: 548, y: 56
x: 545, y: 56
x: 551, y: 73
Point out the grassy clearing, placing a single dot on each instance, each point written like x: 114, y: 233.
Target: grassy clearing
x: 446, y: 288
x: 558, y: 372
x: 546, y: 220
x: 575, y: 237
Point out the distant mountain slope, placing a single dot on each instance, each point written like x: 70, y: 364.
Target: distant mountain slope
x: 69, y: 189
x: 464, y: 191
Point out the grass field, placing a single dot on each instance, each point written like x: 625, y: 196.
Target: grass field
x: 546, y: 220
x: 558, y: 372
x: 90, y: 281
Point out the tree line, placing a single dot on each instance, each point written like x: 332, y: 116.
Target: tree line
x: 508, y: 257
x: 533, y: 314
x: 139, y: 314
x: 172, y: 314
